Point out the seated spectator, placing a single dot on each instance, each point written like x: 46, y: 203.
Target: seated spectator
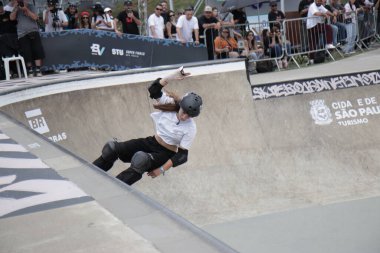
x: 339, y: 10
x: 251, y: 49
x: 29, y: 36
x: 208, y: 30
x: 156, y: 23
x: 100, y: 20
x: 272, y: 41
x: 275, y: 17
x: 171, y: 26
x: 129, y: 19
x: 72, y: 16
x: 85, y: 21
x: 54, y: 18
x: 225, y: 45
x: 186, y: 25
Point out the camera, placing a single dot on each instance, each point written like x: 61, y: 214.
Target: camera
x: 21, y: 3
x: 56, y: 22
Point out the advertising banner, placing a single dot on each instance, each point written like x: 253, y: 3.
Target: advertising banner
x: 86, y: 48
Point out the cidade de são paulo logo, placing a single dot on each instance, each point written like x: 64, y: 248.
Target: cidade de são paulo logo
x: 344, y: 113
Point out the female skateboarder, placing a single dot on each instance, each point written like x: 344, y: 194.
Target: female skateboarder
x: 168, y: 147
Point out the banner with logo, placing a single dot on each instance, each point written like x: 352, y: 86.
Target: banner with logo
x: 84, y: 48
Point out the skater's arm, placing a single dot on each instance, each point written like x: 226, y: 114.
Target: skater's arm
x: 179, y: 158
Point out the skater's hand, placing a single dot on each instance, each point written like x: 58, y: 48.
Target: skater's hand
x: 154, y: 173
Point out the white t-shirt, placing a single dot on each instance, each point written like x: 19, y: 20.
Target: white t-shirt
x: 350, y: 13
x: 315, y: 20
x: 102, y: 26
x: 158, y: 23
x: 49, y: 26
x: 170, y: 129
x: 187, y: 27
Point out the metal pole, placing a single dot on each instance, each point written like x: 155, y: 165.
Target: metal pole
x: 171, y: 5
x: 143, y: 13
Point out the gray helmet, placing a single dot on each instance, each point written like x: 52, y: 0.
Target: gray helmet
x: 191, y: 104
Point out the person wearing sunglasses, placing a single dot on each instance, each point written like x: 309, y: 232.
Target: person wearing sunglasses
x: 85, y: 21
x: 171, y: 26
x: 156, y: 23
x: 129, y: 19
x: 175, y: 131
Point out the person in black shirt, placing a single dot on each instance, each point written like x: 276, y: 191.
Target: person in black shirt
x: 303, y: 7
x: 240, y: 20
x: 72, y: 16
x: 275, y: 17
x: 8, y: 33
x: 129, y: 19
x: 209, y: 23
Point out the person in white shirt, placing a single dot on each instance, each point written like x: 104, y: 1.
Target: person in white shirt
x: 351, y: 26
x: 316, y: 29
x: 54, y: 18
x: 169, y: 147
x: 186, y: 25
x: 156, y: 23
x: 101, y: 20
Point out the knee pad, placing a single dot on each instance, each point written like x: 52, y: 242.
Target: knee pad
x: 141, y: 162
x: 109, y: 151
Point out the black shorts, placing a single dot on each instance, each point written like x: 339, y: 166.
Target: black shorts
x: 149, y: 145
x: 31, y: 47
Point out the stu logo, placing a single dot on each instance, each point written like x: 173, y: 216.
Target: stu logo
x: 96, y: 50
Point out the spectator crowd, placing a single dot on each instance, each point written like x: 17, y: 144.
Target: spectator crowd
x: 226, y: 35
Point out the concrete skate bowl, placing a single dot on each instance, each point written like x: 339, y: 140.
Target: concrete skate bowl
x: 259, y: 150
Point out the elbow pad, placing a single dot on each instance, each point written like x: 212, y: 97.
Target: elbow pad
x: 155, y: 89
x: 180, y: 157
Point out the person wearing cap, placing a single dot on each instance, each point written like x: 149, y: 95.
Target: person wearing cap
x: 100, y: 20
x: 72, y: 16
x: 186, y: 25
x: 156, y: 23
x: 275, y: 16
x: 85, y: 21
x: 129, y: 20
x: 28, y: 36
x: 108, y: 12
x: 207, y: 22
x: 54, y: 18
x: 175, y: 131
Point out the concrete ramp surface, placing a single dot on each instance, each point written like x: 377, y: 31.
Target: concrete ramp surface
x: 268, y: 155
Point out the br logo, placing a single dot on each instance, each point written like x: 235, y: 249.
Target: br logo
x: 36, y: 121
x: 320, y: 112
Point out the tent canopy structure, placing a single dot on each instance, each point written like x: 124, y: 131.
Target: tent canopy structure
x: 229, y: 5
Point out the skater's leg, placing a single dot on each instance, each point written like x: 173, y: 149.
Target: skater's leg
x: 140, y: 163
x: 129, y: 176
x: 108, y: 157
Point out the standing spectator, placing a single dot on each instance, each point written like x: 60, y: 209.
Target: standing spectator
x: 211, y: 25
x: 72, y: 16
x: 28, y: 35
x: 54, y: 18
x: 165, y: 11
x: 377, y: 9
x: 227, y: 20
x: 351, y: 21
x: 171, y: 26
x: 303, y: 9
x: 156, y: 23
x: 129, y: 19
x: 100, y: 20
x: 108, y: 12
x: 316, y: 28
x: 240, y: 19
x: 186, y: 25
x: 275, y: 17
x: 9, y: 7
x: 8, y: 38
x: 332, y: 24
x: 225, y: 45
x: 85, y: 21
